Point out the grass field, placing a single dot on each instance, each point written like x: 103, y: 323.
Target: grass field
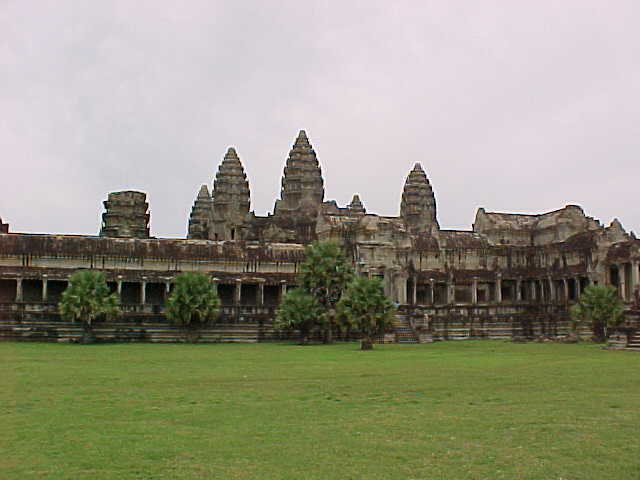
x: 452, y: 410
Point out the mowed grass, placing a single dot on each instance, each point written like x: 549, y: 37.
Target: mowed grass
x: 451, y: 410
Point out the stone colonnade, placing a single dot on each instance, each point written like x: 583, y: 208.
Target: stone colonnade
x: 628, y: 278
x: 140, y: 289
x: 498, y: 290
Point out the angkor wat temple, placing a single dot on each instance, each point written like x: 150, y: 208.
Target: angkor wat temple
x: 506, y: 271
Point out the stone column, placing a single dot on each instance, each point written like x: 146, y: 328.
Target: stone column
x: 518, y: 290
x: 414, y: 291
x: 19, y: 289
x: 622, y: 281
x: 215, y: 282
x: 120, y: 287
x: 44, y: 288
x: 261, y: 292
x: 401, y: 289
x: 143, y: 291
x: 499, y: 288
x: 474, y: 290
x: 432, y: 296
x: 532, y: 290
x: 238, y: 292
x: 451, y: 290
x: 552, y: 293
x: 283, y: 289
x: 635, y: 275
x: 565, y: 287
x: 577, y: 283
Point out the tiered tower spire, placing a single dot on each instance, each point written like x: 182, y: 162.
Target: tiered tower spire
x: 302, y: 185
x: 201, y: 215
x: 418, y: 207
x: 231, y: 199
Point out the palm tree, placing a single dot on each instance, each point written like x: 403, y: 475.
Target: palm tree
x: 602, y: 307
x: 299, y: 311
x: 192, y: 303
x: 365, y: 308
x: 87, y: 298
x: 324, y: 274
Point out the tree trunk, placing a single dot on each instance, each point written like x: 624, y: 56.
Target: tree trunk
x: 599, y: 332
x: 192, y: 333
x: 87, y: 334
x: 328, y: 335
x: 366, y: 343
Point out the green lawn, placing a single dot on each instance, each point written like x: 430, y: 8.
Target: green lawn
x: 451, y: 410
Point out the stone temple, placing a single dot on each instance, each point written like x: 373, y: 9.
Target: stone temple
x: 508, y: 273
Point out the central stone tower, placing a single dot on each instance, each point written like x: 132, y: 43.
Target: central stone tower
x: 302, y: 191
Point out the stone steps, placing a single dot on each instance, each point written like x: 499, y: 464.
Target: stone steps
x: 127, y: 332
x: 403, y: 330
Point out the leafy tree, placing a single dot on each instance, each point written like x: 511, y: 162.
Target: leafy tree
x: 601, y: 306
x: 364, y: 307
x: 298, y: 311
x: 192, y: 303
x: 324, y: 274
x: 86, y: 298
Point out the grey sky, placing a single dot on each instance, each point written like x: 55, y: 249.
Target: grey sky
x: 509, y: 105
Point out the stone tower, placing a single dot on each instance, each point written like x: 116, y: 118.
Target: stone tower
x: 302, y: 185
x: 302, y: 193
x: 126, y: 215
x: 201, y: 216
x: 418, y: 207
x: 231, y: 200
x: 356, y: 207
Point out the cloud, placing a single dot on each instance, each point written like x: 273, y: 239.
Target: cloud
x: 512, y: 106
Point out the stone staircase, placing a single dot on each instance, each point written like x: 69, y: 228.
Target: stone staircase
x: 634, y: 341
x: 404, y: 332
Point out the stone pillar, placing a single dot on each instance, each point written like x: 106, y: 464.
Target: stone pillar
x: 414, y: 291
x: 261, y: 292
x: 518, y: 290
x: 143, y: 291
x: 120, y: 287
x: 19, y: 289
x: 44, y: 288
x: 565, y: 287
x: 534, y: 293
x: 635, y: 275
x: 432, y: 296
x: 401, y: 289
x: 167, y: 290
x: 474, y: 290
x: 215, y: 282
x: 577, y: 283
x: 238, y: 292
x: 622, y: 281
x: 283, y: 289
x: 451, y: 290
x: 499, y: 288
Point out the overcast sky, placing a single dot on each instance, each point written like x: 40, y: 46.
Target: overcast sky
x: 509, y: 105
